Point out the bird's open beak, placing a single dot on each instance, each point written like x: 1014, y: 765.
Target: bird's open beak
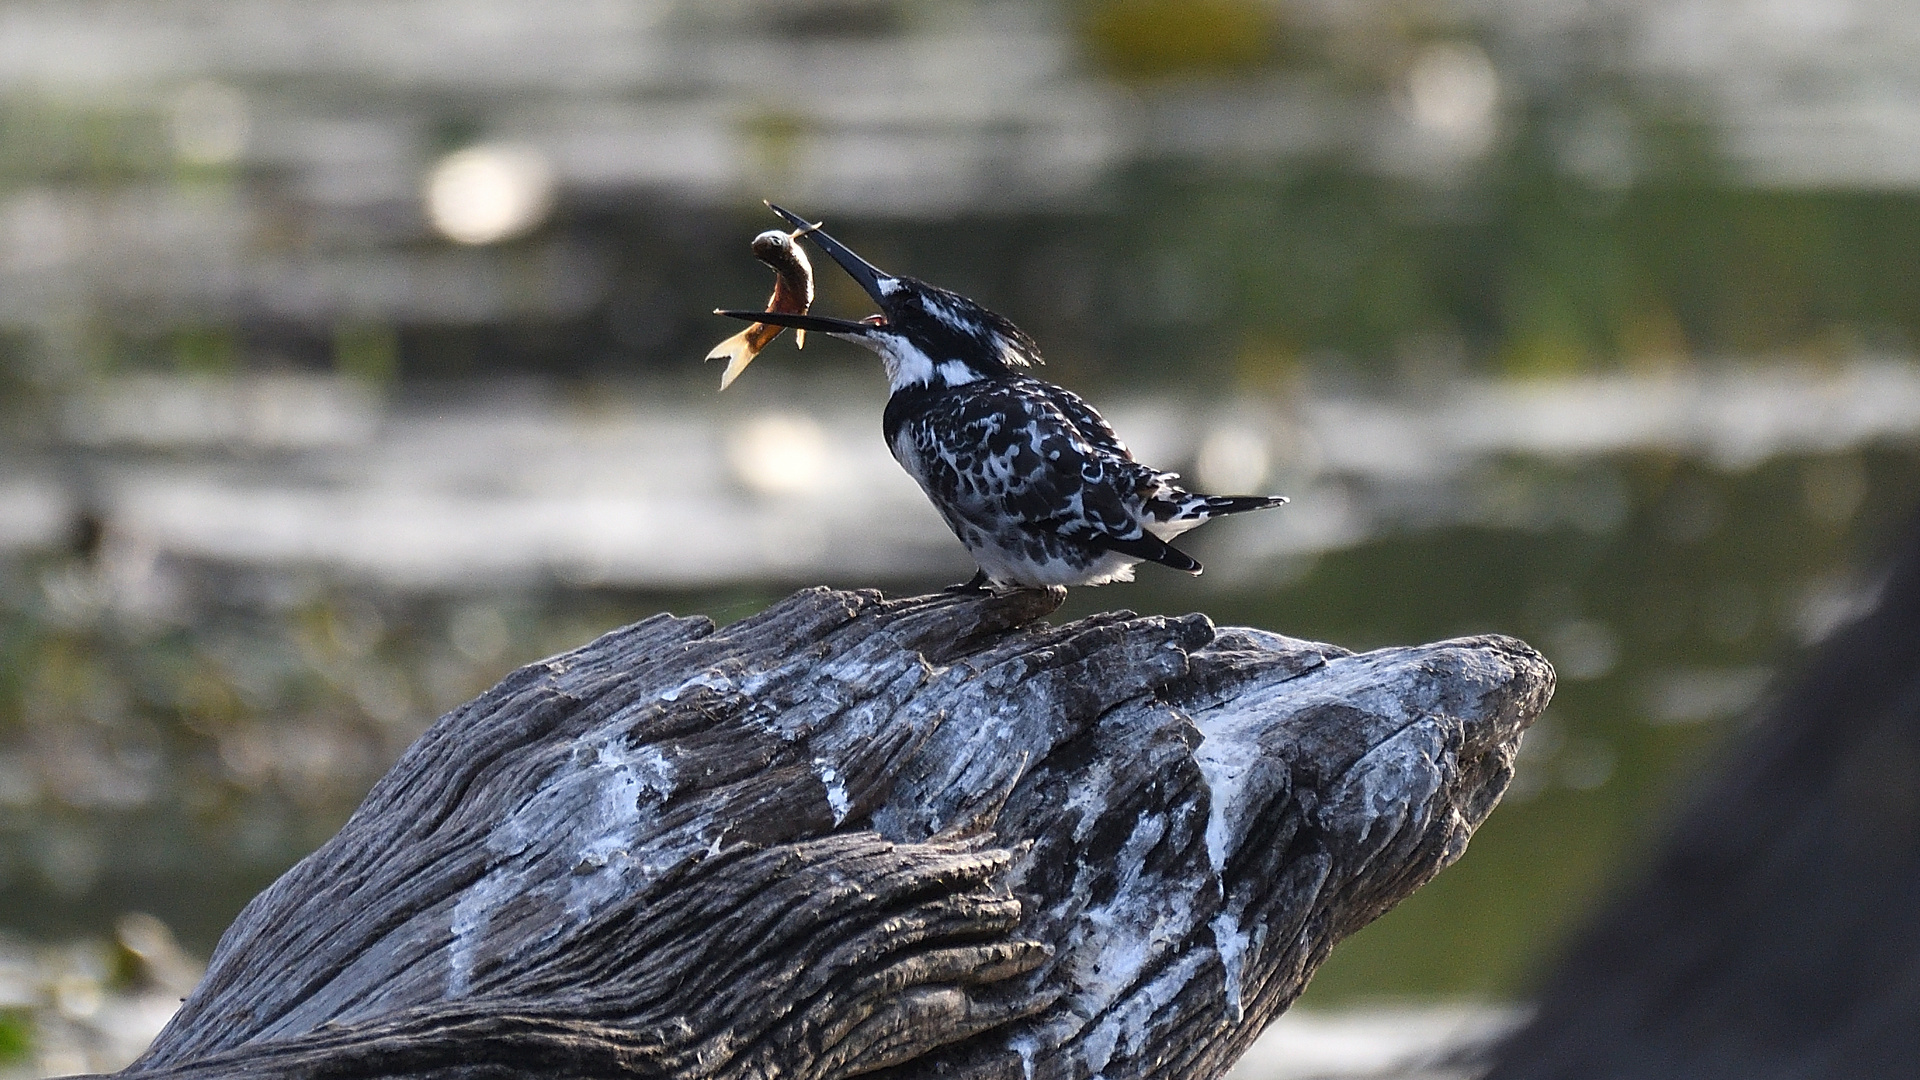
x: 870, y: 277
x: 819, y: 324
x: 877, y: 285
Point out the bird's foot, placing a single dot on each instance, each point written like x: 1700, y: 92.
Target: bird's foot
x: 979, y: 584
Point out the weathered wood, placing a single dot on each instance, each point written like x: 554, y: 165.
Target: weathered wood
x: 851, y: 834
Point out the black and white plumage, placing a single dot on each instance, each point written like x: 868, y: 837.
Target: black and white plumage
x: 1031, y: 479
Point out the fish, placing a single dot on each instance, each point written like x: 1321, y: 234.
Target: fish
x: 792, y: 294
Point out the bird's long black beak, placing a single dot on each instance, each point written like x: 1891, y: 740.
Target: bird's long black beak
x: 870, y: 277
x: 819, y: 324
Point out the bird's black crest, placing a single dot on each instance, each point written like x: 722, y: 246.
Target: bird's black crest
x: 950, y: 326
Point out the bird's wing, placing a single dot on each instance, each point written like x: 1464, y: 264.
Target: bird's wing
x: 1152, y: 484
x: 1152, y: 549
x: 1091, y: 425
x: 1006, y: 455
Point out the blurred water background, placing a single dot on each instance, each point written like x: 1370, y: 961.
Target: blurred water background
x: 349, y: 356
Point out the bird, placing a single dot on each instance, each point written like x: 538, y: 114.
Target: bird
x: 1032, y: 480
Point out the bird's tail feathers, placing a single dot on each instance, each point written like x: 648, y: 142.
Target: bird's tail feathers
x: 1197, y: 508
x: 1217, y: 505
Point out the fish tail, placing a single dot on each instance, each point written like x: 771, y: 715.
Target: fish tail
x: 739, y: 351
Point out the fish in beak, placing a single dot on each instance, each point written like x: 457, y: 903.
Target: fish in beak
x: 792, y: 294
x: 877, y: 283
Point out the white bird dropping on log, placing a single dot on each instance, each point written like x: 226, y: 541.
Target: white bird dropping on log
x: 792, y: 294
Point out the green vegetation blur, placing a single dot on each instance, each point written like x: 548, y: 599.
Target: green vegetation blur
x: 1599, y: 229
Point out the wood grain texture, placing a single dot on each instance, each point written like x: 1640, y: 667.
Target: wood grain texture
x: 851, y: 835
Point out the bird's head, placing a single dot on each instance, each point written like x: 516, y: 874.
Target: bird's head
x: 925, y: 335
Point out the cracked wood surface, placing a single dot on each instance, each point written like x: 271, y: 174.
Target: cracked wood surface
x: 850, y: 836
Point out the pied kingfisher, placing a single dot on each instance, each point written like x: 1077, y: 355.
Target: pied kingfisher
x: 1030, y: 478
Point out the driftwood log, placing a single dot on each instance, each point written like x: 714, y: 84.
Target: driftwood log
x: 926, y: 837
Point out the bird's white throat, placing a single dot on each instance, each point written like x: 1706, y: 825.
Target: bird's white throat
x: 907, y: 365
